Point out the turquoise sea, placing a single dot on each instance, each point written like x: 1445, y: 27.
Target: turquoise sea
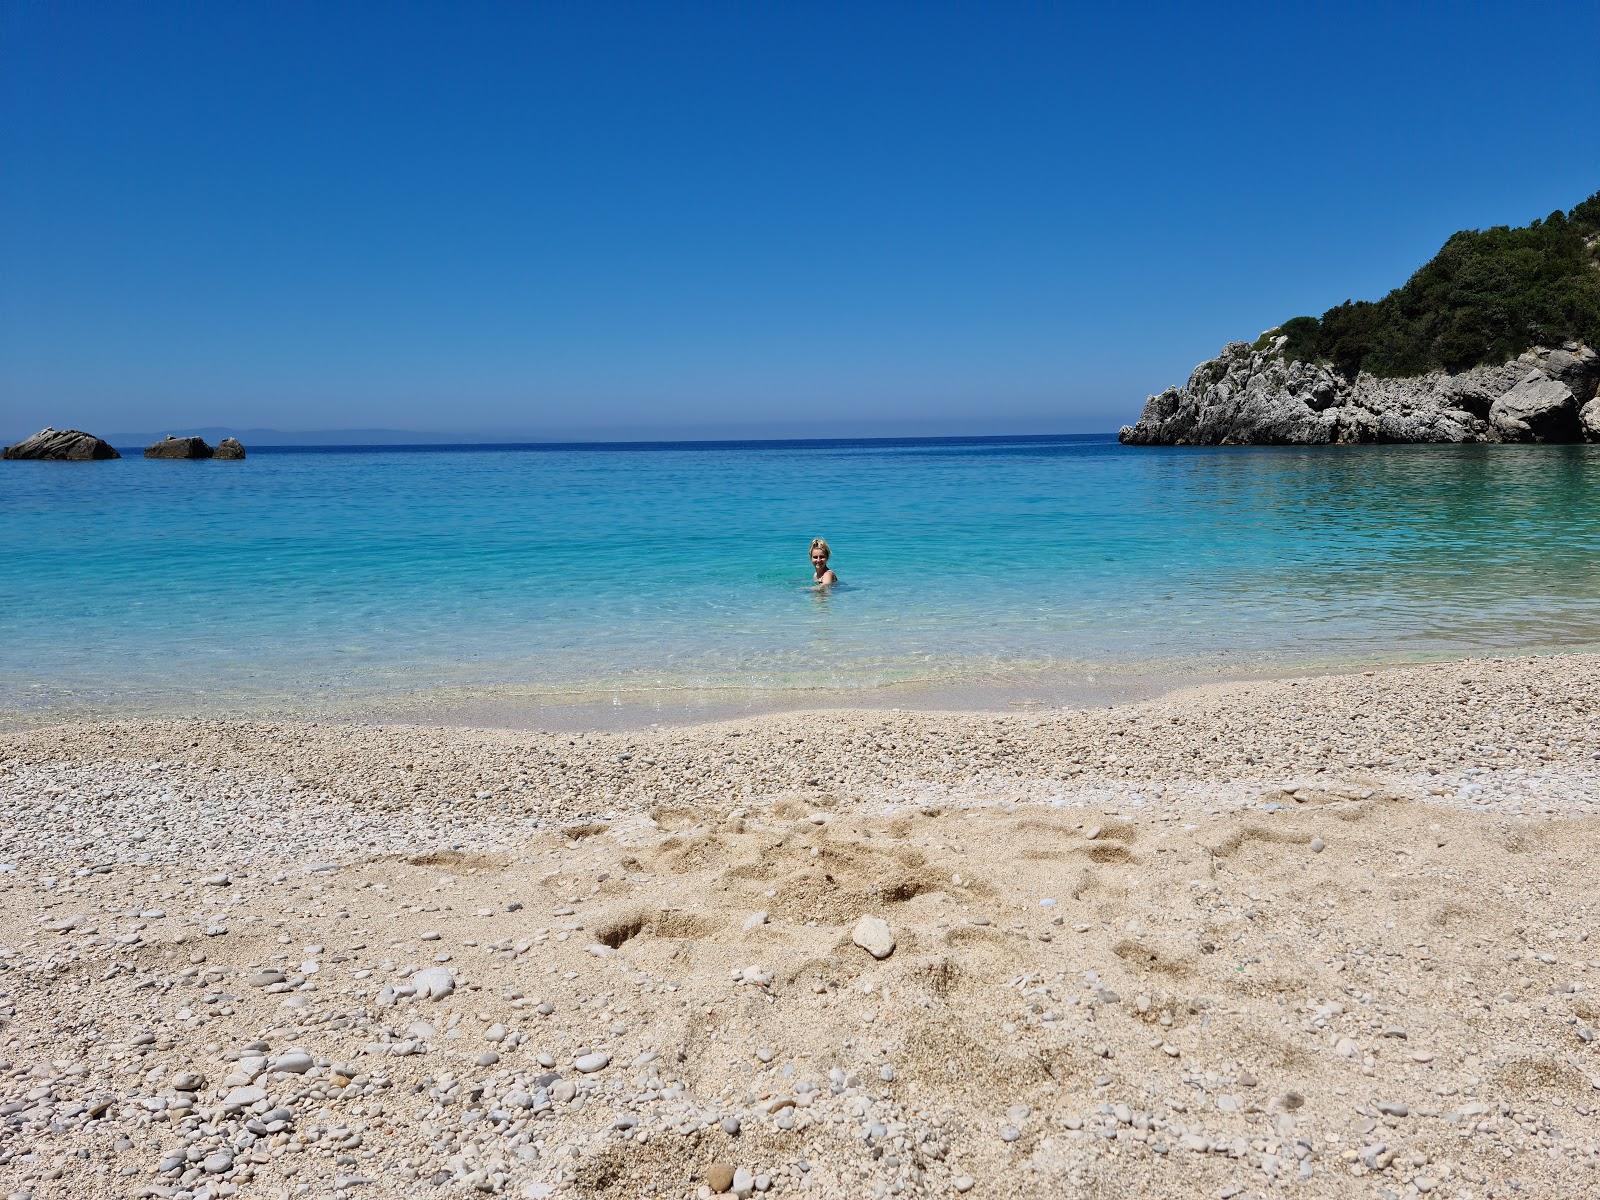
x: 511, y: 580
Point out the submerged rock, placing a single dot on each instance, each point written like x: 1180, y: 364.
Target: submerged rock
x: 179, y: 447
x: 1253, y: 395
x: 61, y: 445
x: 230, y: 448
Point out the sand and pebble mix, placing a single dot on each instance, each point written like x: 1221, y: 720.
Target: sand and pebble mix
x: 1314, y: 938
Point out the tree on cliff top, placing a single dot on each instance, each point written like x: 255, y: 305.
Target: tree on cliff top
x: 1487, y: 296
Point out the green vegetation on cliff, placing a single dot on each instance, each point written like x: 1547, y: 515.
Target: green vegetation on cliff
x: 1487, y: 296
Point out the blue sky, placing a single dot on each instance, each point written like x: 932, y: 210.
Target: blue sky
x: 609, y: 220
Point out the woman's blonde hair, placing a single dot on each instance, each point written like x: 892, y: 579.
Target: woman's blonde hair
x: 822, y: 544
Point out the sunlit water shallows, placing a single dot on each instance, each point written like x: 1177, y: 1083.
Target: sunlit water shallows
x: 544, y: 575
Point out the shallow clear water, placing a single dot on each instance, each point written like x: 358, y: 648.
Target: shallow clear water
x: 307, y: 578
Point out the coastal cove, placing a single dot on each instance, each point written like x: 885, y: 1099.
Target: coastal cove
x: 503, y: 692
x: 987, y: 571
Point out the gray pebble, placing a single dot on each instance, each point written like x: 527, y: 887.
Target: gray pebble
x: 295, y: 1062
x: 434, y: 983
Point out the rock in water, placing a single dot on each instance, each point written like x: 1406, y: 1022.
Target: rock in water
x: 179, y: 447
x: 874, y: 936
x: 230, y: 448
x: 61, y: 445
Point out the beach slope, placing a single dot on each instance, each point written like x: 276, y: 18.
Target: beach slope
x: 1324, y: 938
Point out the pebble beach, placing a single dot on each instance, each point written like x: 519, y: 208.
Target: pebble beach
x: 1322, y: 937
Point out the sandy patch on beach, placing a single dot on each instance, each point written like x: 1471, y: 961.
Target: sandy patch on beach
x: 1319, y: 938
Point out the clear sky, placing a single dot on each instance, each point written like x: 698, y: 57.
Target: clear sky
x: 608, y: 220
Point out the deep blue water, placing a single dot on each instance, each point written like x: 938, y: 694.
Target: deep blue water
x: 306, y: 575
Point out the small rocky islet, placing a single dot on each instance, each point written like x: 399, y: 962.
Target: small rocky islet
x: 194, y: 447
x: 60, y: 445
x: 74, y: 445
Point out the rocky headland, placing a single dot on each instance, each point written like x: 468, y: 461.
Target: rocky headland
x: 1491, y: 340
x: 1253, y: 394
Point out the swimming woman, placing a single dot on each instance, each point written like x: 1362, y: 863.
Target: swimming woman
x: 819, y: 563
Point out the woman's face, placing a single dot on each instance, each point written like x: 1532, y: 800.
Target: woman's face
x: 819, y: 558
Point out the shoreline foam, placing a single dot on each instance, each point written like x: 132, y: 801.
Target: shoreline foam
x: 625, y: 706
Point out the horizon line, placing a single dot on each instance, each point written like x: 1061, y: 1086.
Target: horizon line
x: 667, y: 443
